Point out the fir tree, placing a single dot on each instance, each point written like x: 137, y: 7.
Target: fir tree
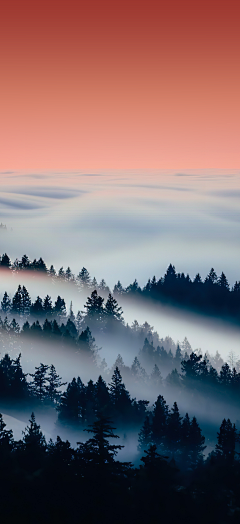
x: 113, y: 312
x: 6, y: 303
x: 159, y: 421
x: 39, y: 383
x: 145, y: 435
x: 17, y: 301
x: 54, y: 382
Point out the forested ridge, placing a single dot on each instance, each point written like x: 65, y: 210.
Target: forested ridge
x: 184, y: 467
x: 211, y: 296
x: 55, y: 482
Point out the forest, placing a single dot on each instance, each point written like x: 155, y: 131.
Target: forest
x: 211, y: 296
x: 176, y: 408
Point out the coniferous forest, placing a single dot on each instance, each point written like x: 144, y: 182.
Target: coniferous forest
x: 133, y: 443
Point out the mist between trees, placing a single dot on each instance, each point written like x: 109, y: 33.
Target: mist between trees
x: 175, y: 411
x: 211, y: 296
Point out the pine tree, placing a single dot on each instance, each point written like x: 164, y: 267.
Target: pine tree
x: 156, y: 377
x: 47, y: 327
x: 137, y: 371
x: 174, y: 429
x: 19, y: 384
x: 211, y: 278
x: 60, y: 306
x: 61, y: 273
x: 5, y: 262
x: 6, y: 446
x: 112, y: 311
x: 36, y: 308
x: 94, y: 308
x: 71, y: 314
x: 94, y: 283
x: 196, y: 444
x: 223, y: 282
x: 52, y: 271
x: 26, y: 301
x: 78, y: 321
x: 159, y: 421
x: 118, y: 289
x: 39, y: 383
x: 86, y: 344
x: 120, y: 396
x: 145, y: 435
x: 34, y: 446
x: 47, y: 305
x: 68, y: 274
x: 84, y: 278
x: 14, y: 326
x: 70, y: 407
x: 6, y: 303
x: 17, y: 301
x: 227, y: 437
x: 102, y: 452
x: 54, y: 383
x: 103, y: 401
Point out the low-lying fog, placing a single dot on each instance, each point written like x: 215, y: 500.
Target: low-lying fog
x: 121, y: 227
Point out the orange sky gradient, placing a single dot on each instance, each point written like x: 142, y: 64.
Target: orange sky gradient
x: 119, y: 84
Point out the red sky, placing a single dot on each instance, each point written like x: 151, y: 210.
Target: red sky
x: 101, y: 84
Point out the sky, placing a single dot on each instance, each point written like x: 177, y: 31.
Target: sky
x: 119, y: 84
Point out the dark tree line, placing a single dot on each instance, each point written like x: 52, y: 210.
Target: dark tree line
x: 54, y: 482
x: 209, y: 296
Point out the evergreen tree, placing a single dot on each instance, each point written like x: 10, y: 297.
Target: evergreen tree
x: 14, y: 326
x: 17, y: 301
x: 39, y: 383
x: 47, y: 305
x: 6, y: 446
x: 61, y: 273
x: 159, y: 422
x: 47, y: 327
x: 6, y: 303
x: 196, y: 444
x: 113, y: 312
x: 223, y: 282
x: 26, y: 301
x: 52, y: 271
x: 60, y: 306
x: 36, y: 328
x: 25, y: 262
x: 54, y: 383
x: 19, y: 385
x: 71, y: 406
x: 56, y: 329
x: 78, y: 321
x: 227, y: 437
x: 5, y: 262
x: 68, y: 274
x: 70, y: 326
x: 103, y: 401
x: 120, y: 396
x: 145, y: 435
x: 84, y: 278
x: 118, y: 289
x: 102, y: 452
x: 36, y: 308
x: 174, y: 429
x: 94, y: 308
x: 94, y: 283
x: 156, y: 377
x: 211, y: 278
x: 34, y: 445
x: 86, y: 344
